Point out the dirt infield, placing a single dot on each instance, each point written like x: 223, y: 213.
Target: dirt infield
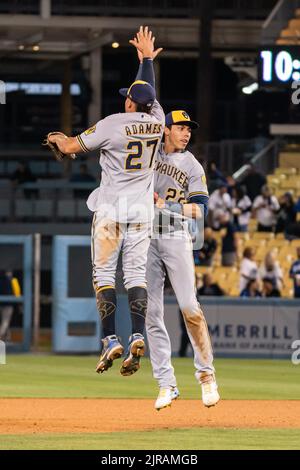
x: 43, y: 415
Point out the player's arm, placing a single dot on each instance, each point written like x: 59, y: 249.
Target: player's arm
x: 198, y: 193
x: 97, y: 136
x: 191, y: 210
x: 144, y: 44
x: 65, y: 144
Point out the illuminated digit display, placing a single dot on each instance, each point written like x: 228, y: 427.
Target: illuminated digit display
x: 278, y: 66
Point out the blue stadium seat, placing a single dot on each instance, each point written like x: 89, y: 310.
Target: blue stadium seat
x: 66, y: 209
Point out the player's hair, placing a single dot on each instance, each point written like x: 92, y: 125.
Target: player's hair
x: 143, y: 108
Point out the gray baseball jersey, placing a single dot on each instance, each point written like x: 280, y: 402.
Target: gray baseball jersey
x: 178, y: 177
x: 128, y: 144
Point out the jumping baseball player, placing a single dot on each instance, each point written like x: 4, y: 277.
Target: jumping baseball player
x: 123, y: 204
x: 181, y: 193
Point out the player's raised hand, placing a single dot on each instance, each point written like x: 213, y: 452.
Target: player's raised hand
x: 144, y: 43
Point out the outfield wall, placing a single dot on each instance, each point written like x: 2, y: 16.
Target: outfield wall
x: 238, y: 327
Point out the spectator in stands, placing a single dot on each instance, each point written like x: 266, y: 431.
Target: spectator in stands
x: 215, y: 177
x: 82, y: 177
x: 209, y: 287
x: 251, y: 289
x: 295, y: 274
x: 271, y: 270
x: 23, y: 175
x: 265, y: 209
x: 231, y: 184
x: 248, y: 269
x: 219, y: 204
x: 9, y: 285
x: 287, y: 213
x: 269, y: 288
x: 254, y: 182
x: 229, y: 241
x: 241, y: 204
x: 204, y: 257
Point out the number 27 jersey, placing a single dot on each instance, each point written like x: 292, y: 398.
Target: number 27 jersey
x: 128, y: 144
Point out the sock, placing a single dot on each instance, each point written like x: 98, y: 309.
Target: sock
x: 107, y: 304
x: 137, y: 298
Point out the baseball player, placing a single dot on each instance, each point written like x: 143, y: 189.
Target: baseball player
x: 123, y: 204
x: 181, y: 193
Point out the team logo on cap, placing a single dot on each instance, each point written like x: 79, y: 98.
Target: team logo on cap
x: 185, y: 115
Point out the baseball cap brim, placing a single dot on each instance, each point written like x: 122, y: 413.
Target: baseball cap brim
x: 123, y: 91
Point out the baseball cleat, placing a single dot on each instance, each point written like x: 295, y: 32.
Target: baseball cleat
x: 174, y: 393
x: 210, y: 394
x: 111, y: 350
x: 165, y: 397
x: 136, y: 349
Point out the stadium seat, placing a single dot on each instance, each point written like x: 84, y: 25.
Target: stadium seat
x: 203, y: 269
x: 4, y: 208
x: 255, y: 242
x: 278, y: 243
x: 285, y: 171
x: 43, y: 208
x: 11, y: 166
x: 23, y: 208
x: 66, y: 209
x: 262, y: 236
x: 252, y: 225
x: 295, y: 243
x: 82, y: 209
x: 290, y: 184
x: 38, y: 168
x: 242, y: 235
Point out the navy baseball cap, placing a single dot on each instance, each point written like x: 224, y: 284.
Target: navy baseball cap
x: 180, y: 117
x: 140, y: 92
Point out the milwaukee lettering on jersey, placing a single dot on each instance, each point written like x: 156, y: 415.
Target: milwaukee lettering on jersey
x: 179, y: 176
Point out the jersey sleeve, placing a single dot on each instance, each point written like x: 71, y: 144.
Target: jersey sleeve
x: 197, y: 185
x: 96, y: 136
x: 158, y: 112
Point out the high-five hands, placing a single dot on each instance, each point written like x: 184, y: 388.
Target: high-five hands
x: 144, y: 44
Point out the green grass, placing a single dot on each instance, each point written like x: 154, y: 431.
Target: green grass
x: 172, y: 439
x: 74, y: 376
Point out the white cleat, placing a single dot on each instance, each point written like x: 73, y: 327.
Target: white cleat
x: 174, y: 393
x: 165, y: 397
x: 210, y: 394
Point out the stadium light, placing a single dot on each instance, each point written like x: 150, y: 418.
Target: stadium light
x: 248, y: 90
x: 115, y: 45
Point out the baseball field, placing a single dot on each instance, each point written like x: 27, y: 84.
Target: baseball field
x: 59, y: 402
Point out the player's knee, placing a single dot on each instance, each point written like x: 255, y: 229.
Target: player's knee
x: 133, y: 283
x: 189, y: 307
x: 103, y: 278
